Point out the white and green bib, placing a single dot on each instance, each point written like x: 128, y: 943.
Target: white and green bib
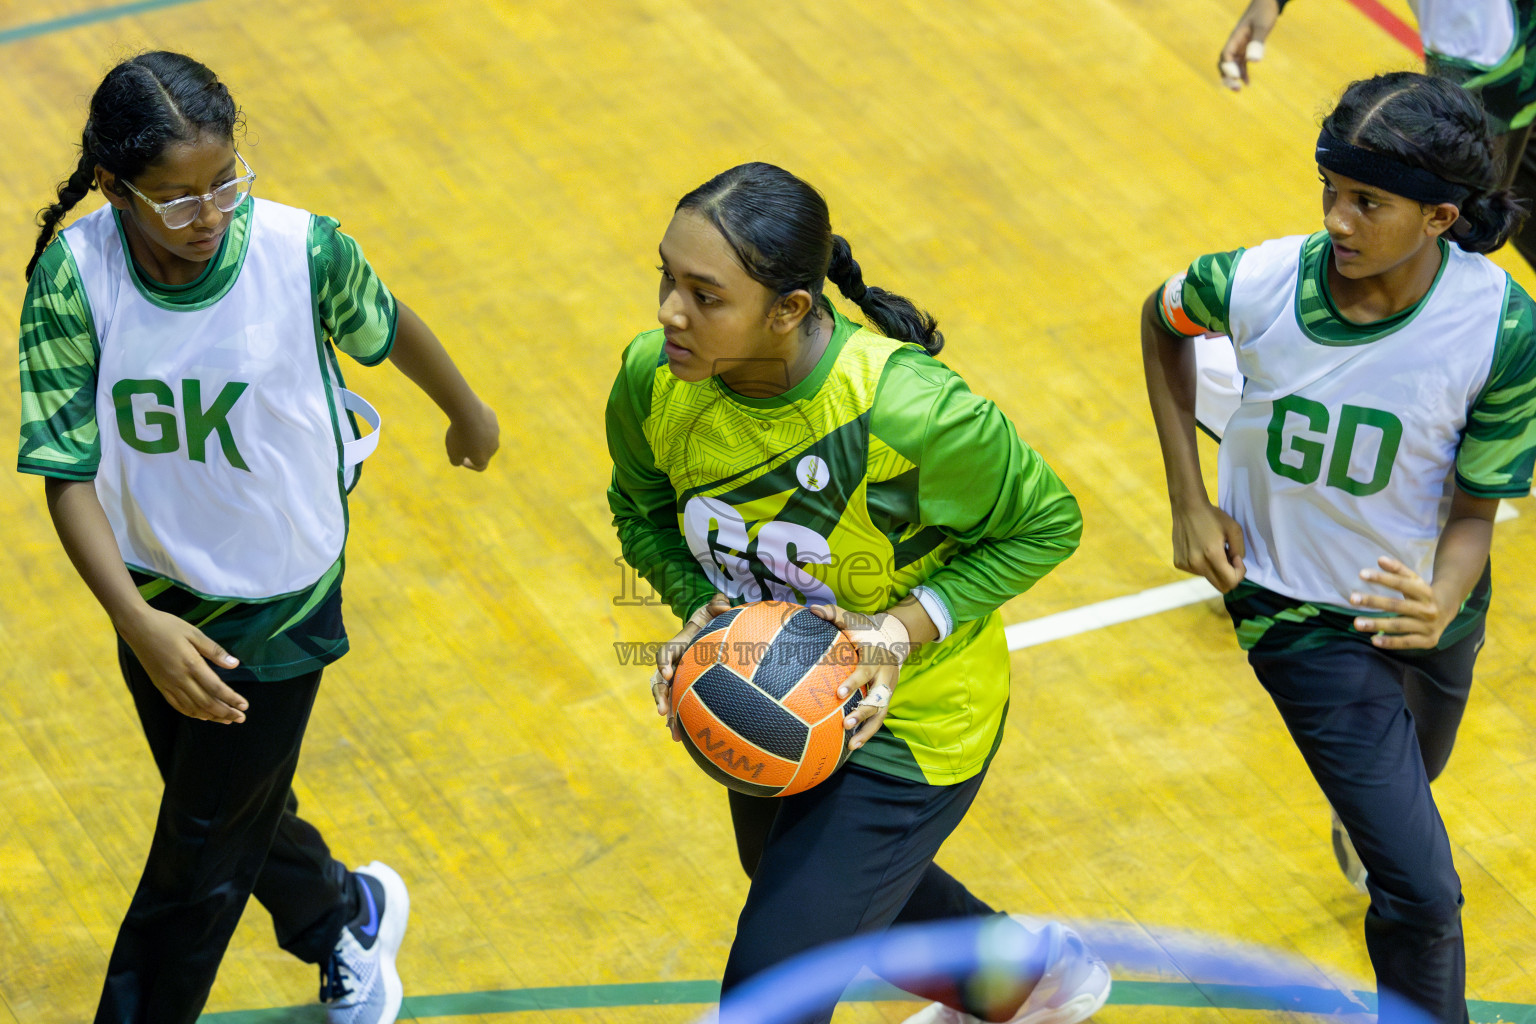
x: 225, y: 452
x: 1344, y: 447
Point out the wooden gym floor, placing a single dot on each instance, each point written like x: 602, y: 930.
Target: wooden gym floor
x: 1026, y: 170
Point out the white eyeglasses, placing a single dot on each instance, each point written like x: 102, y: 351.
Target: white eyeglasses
x: 178, y: 213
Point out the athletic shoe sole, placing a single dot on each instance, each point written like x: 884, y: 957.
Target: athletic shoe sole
x: 397, y: 911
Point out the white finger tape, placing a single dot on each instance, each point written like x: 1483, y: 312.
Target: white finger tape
x: 879, y: 696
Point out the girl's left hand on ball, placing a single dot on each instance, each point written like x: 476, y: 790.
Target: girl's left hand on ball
x: 883, y: 644
x: 1416, y: 621
x: 671, y: 651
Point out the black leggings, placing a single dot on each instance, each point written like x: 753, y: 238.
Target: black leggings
x: 850, y: 856
x: 227, y: 828
x: 1375, y: 727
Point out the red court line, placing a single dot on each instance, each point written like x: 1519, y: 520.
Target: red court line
x: 1396, y: 27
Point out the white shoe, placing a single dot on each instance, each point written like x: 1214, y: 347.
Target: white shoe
x: 1074, y: 987
x: 1344, y: 853
x: 359, y: 983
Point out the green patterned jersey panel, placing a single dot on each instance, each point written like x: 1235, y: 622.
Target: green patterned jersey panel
x: 1507, y: 89
x: 1208, y: 290
x: 278, y: 639
x: 58, y: 353
x: 1268, y: 621
x: 641, y: 497
x: 788, y: 478
x: 1498, y: 447
x: 355, y: 308
x: 1319, y: 316
x: 886, y: 472
x: 991, y: 516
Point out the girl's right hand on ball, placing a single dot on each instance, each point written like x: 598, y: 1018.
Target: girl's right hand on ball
x: 666, y: 658
x: 176, y: 654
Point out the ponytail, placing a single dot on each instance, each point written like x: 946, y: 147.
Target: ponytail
x: 1487, y: 220
x: 895, y: 316
x: 778, y: 227
x: 70, y: 192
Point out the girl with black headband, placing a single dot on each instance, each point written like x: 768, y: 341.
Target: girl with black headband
x: 1388, y: 403
x: 1486, y: 46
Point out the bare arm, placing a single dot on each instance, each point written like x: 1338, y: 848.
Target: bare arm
x: 1464, y: 547
x: 920, y: 628
x: 1206, y: 541
x: 473, y: 433
x: 1424, y: 611
x: 1246, y: 43
x: 174, y: 652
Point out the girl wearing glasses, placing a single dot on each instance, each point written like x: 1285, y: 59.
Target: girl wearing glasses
x: 1386, y: 407
x: 181, y: 397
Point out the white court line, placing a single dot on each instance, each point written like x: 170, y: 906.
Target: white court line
x: 1108, y: 613
x: 1133, y: 606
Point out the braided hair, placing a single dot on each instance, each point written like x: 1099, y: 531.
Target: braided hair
x: 779, y: 229
x: 143, y: 105
x: 1435, y: 125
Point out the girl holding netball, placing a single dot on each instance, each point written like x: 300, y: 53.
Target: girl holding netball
x: 766, y: 447
x: 181, y: 397
x: 1389, y: 402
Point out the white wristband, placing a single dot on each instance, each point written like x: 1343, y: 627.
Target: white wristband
x: 933, y: 604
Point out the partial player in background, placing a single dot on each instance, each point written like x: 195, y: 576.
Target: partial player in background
x: 766, y: 447
x: 181, y: 396
x: 1390, y: 402
x: 1488, y: 47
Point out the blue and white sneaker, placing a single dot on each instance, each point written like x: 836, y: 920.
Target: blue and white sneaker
x: 1073, y: 988
x: 358, y: 982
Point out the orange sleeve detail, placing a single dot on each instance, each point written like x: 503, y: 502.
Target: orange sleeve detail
x: 1172, y: 305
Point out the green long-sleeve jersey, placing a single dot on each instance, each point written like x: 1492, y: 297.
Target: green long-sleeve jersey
x: 878, y: 472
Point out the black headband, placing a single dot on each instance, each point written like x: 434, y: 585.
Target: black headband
x: 1386, y: 172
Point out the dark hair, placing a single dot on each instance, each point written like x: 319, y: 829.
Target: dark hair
x: 779, y: 229
x: 1435, y: 125
x: 141, y: 107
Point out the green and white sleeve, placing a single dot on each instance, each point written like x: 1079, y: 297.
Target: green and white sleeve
x: 356, y: 309
x: 1199, y: 300
x: 58, y: 354
x: 1498, y: 446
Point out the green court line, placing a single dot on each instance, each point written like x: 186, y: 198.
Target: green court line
x: 1291, y: 998
x: 42, y: 28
